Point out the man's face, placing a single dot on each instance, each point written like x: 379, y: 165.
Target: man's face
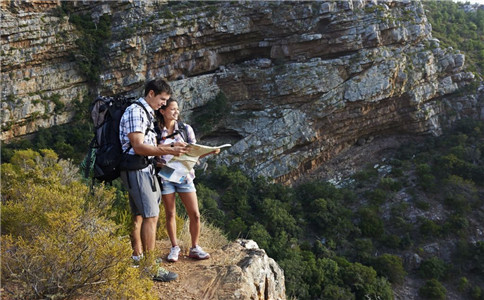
x: 156, y: 101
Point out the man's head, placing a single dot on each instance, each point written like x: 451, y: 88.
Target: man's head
x: 157, y: 92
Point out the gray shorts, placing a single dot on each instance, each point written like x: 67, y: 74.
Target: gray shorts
x: 144, y: 192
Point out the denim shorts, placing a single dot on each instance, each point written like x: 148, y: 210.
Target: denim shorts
x: 172, y: 187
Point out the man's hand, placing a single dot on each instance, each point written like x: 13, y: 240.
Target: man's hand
x: 179, y: 150
x: 175, y: 148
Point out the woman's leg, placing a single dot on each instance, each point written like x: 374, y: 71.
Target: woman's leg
x: 170, y: 213
x: 190, y: 202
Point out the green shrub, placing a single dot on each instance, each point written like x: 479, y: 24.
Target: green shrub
x: 57, y: 241
x: 456, y: 224
x: 376, y: 196
x: 423, y: 205
x: 425, y: 178
x: 390, y: 266
x: 460, y: 194
x: 429, y: 228
x: 433, y: 289
x: 364, y: 282
x: 208, y: 117
x: 390, y: 184
x: 463, y: 285
x: 366, y: 175
x: 433, y: 268
x: 370, y: 223
x: 476, y: 293
x: 392, y: 241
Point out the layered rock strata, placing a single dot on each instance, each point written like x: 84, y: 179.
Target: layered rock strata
x: 303, y: 81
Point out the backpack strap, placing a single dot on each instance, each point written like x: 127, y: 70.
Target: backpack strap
x: 147, y: 114
x: 183, y: 130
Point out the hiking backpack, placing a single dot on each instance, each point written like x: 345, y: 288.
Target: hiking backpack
x: 105, y: 151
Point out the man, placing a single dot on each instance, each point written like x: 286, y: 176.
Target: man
x: 136, y: 132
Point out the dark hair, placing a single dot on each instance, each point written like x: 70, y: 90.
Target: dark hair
x: 159, y: 117
x: 158, y: 86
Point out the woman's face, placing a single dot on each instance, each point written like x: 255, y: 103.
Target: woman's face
x: 171, y: 112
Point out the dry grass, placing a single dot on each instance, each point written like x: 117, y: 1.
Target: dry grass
x: 211, y: 237
x: 161, y: 232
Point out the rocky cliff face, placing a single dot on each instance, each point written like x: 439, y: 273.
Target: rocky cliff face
x: 299, y: 82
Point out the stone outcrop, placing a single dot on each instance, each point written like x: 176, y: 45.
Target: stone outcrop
x: 303, y: 81
x: 240, y: 270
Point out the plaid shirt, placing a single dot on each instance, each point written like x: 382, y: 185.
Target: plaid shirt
x: 178, y: 138
x: 135, y: 119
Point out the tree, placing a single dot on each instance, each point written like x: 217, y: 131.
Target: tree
x: 391, y: 267
x: 433, y: 289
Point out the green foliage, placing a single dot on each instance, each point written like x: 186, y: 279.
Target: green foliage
x: 429, y: 228
x: 67, y: 140
x: 207, y: 199
x: 370, y: 223
x: 390, y: 266
x: 460, y: 194
x: 376, y: 196
x: 92, y: 44
x: 369, y: 173
x: 57, y: 240
x: 318, y: 233
x: 433, y: 289
x: 211, y: 114
x: 364, y: 282
x: 459, y: 29
x: 463, y: 284
x: 274, y: 216
x: 426, y: 179
x: 390, y: 184
x: 433, y: 268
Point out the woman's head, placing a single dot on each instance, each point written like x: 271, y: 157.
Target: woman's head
x: 168, y: 112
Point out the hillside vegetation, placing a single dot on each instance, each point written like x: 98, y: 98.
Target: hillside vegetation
x: 352, y: 242
x: 459, y: 29
x: 340, y: 243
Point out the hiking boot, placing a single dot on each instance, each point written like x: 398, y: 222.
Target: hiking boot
x: 164, y: 275
x: 174, y: 252
x: 198, y: 253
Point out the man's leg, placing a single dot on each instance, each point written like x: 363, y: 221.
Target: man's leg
x: 136, y: 243
x: 148, y: 233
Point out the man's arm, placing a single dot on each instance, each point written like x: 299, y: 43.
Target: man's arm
x: 137, y: 138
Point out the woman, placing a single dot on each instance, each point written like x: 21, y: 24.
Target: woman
x: 168, y: 124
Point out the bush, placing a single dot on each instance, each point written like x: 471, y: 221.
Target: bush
x: 433, y: 268
x: 460, y: 194
x: 370, y: 223
x: 376, y: 196
x: 56, y: 239
x: 433, y: 289
x: 429, y: 228
x: 389, y: 184
x: 425, y: 178
x: 391, y: 267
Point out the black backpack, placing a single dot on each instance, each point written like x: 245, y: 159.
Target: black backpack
x: 105, y: 151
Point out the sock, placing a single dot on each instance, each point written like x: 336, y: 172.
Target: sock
x: 137, y: 257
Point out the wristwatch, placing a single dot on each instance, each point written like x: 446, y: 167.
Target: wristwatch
x: 172, y: 144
